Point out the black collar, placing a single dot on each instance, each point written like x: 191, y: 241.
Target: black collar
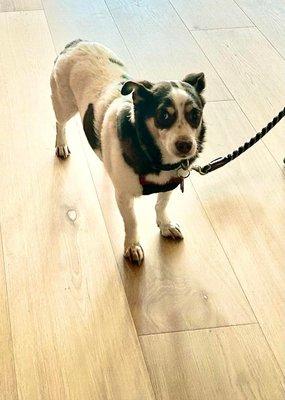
x: 184, y: 164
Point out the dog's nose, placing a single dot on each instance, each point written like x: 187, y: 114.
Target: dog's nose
x: 183, y: 146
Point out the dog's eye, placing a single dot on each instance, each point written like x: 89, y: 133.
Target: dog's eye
x: 164, y: 119
x: 193, y: 117
x: 165, y: 115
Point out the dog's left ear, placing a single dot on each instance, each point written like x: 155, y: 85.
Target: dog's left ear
x: 196, y: 80
x: 141, y: 90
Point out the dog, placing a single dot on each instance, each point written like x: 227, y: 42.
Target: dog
x: 145, y: 133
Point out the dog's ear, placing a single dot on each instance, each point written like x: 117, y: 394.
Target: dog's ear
x: 141, y: 90
x: 196, y: 80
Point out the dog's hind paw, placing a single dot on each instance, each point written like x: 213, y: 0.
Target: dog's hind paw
x: 62, y: 151
x: 134, y: 254
x: 171, y: 230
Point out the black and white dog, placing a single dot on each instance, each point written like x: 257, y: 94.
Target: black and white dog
x: 143, y: 132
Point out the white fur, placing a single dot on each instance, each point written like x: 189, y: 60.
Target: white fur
x: 82, y: 75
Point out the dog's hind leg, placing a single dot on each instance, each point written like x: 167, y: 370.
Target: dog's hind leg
x: 167, y: 228
x: 64, y: 107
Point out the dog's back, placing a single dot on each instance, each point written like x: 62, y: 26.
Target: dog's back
x: 84, y: 73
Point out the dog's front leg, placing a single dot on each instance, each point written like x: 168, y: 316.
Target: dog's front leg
x: 133, y: 249
x: 167, y: 228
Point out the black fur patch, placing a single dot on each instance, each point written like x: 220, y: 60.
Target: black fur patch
x: 196, y: 96
x: 201, y: 138
x: 73, y: 43
x: 134, y: 145
x: 125, y: 77
x: 68, y: 46
x: 89, y: 128
x: 174, y: 84
x: 116, y: 61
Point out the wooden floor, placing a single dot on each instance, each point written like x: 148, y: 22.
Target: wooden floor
x: 200, y: 320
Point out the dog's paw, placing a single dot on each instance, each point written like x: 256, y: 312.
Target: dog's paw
x: 171, y: 230
x: 62, y: 151
x: 134, y: 254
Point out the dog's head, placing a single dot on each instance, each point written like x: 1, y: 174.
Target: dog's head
x: 172, y: 113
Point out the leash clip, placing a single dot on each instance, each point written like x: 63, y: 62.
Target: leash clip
x: 214, y: 164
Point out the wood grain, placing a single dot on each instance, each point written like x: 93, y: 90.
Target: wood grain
x: 8, y: 383
x: 224, y: 363
x: 245, y: 203
x: 20, y: 5
x: 73, y: 335
x: 210, y: 14
x: 88, y: 20
x: 254, y: 72
x: 181, y: 285
x: 269, y: 17
x: 160, y: 45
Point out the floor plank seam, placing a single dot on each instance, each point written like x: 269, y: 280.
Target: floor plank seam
x: 241, y: 287
x: 121, y: 36
x: 265, y: 37
x: 233, y: 97
x: 216, y: 234
x: 107, y: 231
x: 115, y: 258
x: 262, y: 140
x: 200, y: 47
x: 49, y: 28
x: 220, y: 29
x: 8, y: 309
x: 218, y: 101
x: 197, y: 329
x: 20, y: 11
x: 147, y: 368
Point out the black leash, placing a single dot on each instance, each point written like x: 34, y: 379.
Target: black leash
x: 221, y: 161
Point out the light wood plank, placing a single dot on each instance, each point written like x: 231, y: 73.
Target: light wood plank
x: 161, y: 45
x: 88, y: 20
x: 20, y: 5
x: 245, y: 203
x: 224, y: 363
x: 269, y: 17
x: 181, y: 285
x: 8, y: 384
x: 72, y: 330
x: 254, y: 73
x: 210, y: 14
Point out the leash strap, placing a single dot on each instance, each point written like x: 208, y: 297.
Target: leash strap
x: 221, y: 161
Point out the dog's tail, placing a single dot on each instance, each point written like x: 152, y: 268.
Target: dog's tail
x: 68, y: 46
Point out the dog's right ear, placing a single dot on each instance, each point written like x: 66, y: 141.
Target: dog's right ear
x: 141, y: 90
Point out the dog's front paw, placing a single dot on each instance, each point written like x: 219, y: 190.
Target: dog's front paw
x: 62, y: 151
x: 134, y: 253
x: 171, y: 230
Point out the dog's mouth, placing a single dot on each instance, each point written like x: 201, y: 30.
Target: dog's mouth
x: 183, y: 156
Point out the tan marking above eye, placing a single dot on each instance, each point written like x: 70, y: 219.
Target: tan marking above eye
x: 171, y: 110
x: 188, y: 107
